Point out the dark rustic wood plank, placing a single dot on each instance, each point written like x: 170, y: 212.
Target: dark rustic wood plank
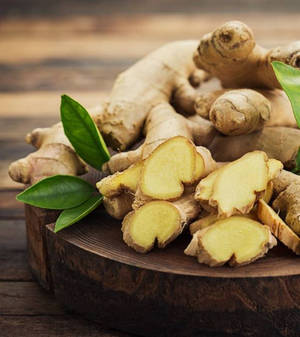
x: 13, y: 255
x: 26, y: 298
x: 10, y: 208
x: 41, y: 104
x: 64, y: 74
x: 34, y: 8
x: 36, y: 220
x: 120, y: 39
x: 53, y: 326
x: 106, y: 240
x: 166, y: 293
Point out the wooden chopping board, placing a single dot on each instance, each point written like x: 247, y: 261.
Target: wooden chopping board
x: 163, y: 293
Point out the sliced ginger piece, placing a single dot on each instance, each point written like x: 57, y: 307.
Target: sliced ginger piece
x: 170, y: 166
x: 268, y: 192
x: 156, y: 220
x: 238, y: 183
x: 278, y: 227
x: 237, y: 240
x: 203, y: 223
x: 234, y: 188
x: 210, y: 219
x: 127, y: 180
x: 274, y: 167
x: 160, y: 221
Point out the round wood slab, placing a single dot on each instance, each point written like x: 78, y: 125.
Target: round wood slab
x: 166, y: 293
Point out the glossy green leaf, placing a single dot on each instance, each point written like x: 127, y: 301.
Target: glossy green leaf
x: 289, y: 78
x: 73, y: 215
x: 57, y: 192
x: 83, y: 133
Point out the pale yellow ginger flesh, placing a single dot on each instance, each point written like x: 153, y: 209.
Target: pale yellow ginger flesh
x: 274, y: 168
x: 156, y: 220
x: 203, y: 223
x: 237, y: 240
x: 169, y: 167
x: 268, y: 192
x: 115, y: 184
x: 234, y: 188
x: 160, y: 221
x: 210, y: 219
x: 278, y: 227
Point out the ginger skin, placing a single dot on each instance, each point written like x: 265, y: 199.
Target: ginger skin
x: 231, y: 54
x: 239, y: 110
x: 118, y: 206
x: 54, y: 155
x: 281, y: 143
x: 162, y: 124
x: 287, y: 201
x: 150, y: 84
x: 284, y: 233
x: 157, y: 78
x: 237, y: 240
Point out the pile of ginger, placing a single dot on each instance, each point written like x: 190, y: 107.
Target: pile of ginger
x: 213, y: 160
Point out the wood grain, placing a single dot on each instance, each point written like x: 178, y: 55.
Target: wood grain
x: 53, y: 326
x: 165, y: 292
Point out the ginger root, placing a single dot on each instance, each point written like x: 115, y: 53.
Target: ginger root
x: 118, y: 206
x: 158, y: 221
x: 239, y: 112
x: 54, y: 156
x: 234, y: 188
x: 162, y: 124
x: 231, y: 54
x: 157, y: 78
x: 283, y: 233
x: 287, y: 201
x: 150, y: 84
x: 242, y: 111
x: 236, y: 240
x: 280, y: 143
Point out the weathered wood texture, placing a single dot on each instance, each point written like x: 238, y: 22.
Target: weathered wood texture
x: 25, y: 308
x: 166, y: 293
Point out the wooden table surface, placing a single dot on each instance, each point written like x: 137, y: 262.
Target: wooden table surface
x: 44, y: 56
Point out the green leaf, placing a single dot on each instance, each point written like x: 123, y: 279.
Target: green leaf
x: 83, y: 133
x: 289, y: 78
x: 72, y: 215
x: 57, y: 192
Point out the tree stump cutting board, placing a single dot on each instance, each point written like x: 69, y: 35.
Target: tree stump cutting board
x: 163, y: 293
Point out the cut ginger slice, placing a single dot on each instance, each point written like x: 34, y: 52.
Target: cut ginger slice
x: 155, y: 221
x: 203, y: 223
x: 237, y: 240
x: 234, y: 188
x: 278, y: 227
x: 115, y: 184
x: 172, y: 164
